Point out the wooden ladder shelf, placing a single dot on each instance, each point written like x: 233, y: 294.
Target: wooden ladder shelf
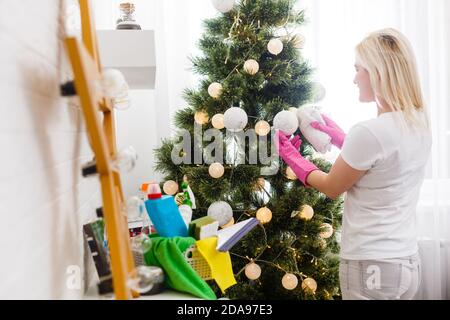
x: 86, y: 67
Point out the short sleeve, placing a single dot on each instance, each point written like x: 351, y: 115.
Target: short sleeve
x: 361, y: 149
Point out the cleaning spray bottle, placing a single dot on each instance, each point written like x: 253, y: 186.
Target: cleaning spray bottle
x: 164, y: 213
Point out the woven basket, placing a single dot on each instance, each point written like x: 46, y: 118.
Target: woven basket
x: 198, y: 263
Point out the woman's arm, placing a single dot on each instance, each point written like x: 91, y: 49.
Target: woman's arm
x: 340, y: 178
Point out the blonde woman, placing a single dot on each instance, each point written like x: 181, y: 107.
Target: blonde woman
x: 381, y: 168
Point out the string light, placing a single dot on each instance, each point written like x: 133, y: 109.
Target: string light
x: 322, y: 244
x: 327, y: 230
x: 215, y: 90
x: 309, y: 285
x: 251, y: 66
x: 170, y: 187
x: 290, y: 174
x: 264, y: 215
x: 217, y: 121
x: 262, y: 128
x: 275, y: 46
x: 252, y: 271
x: 216, y: 170
x: 261, y: 182
x: 201, y: 117
x: 306, y: 213
x: 289, y: 281
x: 298, y: 41
x: 229, y: 223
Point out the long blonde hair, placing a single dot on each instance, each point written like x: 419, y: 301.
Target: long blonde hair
x: 388, y: 57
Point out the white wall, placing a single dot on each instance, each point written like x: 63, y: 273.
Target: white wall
x: 136, y: 126
x: 177, y: 26
x: 43, y: 198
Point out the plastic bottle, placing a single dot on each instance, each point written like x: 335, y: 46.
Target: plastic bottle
x: 164, y: 213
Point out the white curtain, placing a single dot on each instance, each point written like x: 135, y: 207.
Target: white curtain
x: 334, y: 28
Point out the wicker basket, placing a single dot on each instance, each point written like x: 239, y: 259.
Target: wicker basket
x: 198, y: 263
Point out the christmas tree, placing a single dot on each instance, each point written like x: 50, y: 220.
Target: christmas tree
x: 253, y: 75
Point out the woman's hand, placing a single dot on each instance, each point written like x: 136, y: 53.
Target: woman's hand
x: 332, y: 129
x: 340, y: 178
x: 288, y: 151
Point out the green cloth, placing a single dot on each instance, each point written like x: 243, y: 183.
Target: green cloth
x: 168, y: 254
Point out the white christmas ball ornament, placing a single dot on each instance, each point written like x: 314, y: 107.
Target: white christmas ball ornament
x: 319, y: 92
x: 262, y: 128
x: 215, y: 90
x: 251, y: 66
x: 327, y: 230
x: 217, y: 121
x: 275, y: 46
x: 235, y: 119
x: 253, y: 271
x: 221, y: 212
x: 286, y: 121
x: 223, y: 5
x: 216, y: 170
x: 289, y: 281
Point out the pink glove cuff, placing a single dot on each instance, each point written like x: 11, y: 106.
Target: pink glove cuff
x: 302, y: 168
x: 288, y: 151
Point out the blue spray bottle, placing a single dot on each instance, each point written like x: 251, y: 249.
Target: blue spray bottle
x: 164, y: 213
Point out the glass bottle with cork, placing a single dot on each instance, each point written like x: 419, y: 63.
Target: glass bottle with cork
x: 126, y: 20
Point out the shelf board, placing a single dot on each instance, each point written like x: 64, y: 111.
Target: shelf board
x: 132, y: 52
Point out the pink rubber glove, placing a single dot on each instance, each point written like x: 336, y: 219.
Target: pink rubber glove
x: 332, y: 129
x: 288, y: 151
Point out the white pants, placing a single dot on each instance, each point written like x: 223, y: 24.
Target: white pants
x: 385, y: 279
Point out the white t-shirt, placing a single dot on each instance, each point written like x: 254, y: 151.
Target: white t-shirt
x: 379, y: 219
